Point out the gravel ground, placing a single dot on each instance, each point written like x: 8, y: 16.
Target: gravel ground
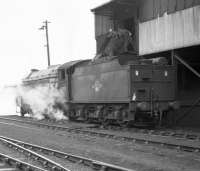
x: 135, y: 156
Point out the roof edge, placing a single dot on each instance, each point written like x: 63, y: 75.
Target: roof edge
x: 110, y: 2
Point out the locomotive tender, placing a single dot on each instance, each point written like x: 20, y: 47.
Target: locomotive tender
x: 120, y: 90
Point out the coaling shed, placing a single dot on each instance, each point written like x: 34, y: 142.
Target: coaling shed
x: 169, y: 28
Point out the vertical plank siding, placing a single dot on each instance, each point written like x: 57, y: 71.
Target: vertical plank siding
x: 171, y: 31
x: 102, y: 24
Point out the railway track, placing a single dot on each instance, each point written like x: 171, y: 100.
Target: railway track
x: 152, y: 137
x: 32, y: 150
x: 164, y: 133
x: 180, y: 135
x: 44, y: 161
x: 8, y: 163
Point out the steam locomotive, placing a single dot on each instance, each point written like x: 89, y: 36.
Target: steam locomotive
x: 122, y: 90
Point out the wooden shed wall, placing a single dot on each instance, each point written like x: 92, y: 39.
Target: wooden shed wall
x: 102, y: 24
x: 171, y: 31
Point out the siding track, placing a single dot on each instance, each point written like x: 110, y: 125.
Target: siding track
x: 172, y: 140
x: 32, y: 150
x: 47, y: 163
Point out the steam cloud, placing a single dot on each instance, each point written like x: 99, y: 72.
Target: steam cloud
x: 42, y: 101
x: 7, y: 101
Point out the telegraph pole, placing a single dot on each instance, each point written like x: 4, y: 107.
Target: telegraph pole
x: 45, y: 27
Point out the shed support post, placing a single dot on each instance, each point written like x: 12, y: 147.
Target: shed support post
x: 172, y: 57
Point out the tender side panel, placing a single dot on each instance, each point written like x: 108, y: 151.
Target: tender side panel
x: 101, y: 83
x: 153, y: 81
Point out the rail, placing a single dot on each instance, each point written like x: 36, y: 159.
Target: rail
x: 96, y: 165
x: 43, y: 160
x: 10, y: 163
x: 163, y: 142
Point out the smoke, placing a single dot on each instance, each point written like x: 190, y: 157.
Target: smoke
x: 43, y: 102
x: 7, y: 100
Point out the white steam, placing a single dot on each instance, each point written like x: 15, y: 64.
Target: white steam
x: 42, y: 101
x: 7, y: 101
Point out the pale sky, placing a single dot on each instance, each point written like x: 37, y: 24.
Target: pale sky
x: 71, y: 34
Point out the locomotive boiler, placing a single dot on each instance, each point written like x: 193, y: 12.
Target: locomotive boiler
x: 34, y: 85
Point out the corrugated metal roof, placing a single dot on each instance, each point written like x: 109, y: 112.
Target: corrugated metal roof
x: 42, y: 74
